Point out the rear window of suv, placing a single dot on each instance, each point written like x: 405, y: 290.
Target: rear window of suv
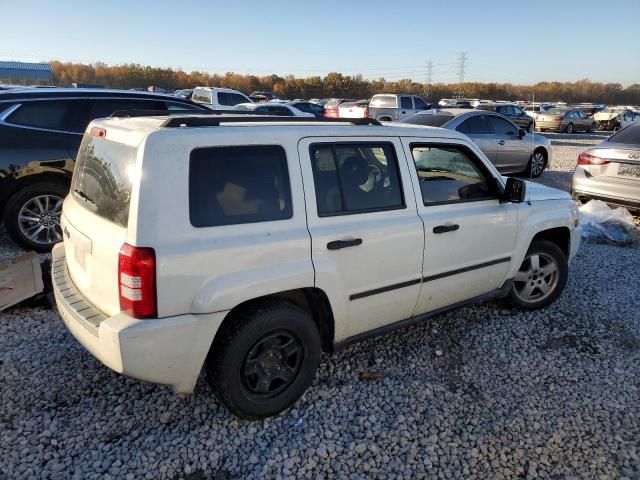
x: 384, y: 101
x: 102, y: 178
x: 233, y: 185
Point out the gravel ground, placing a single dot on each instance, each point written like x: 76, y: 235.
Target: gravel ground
x: 484, y: 392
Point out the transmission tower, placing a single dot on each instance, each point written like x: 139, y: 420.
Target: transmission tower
x: 462, y: 60
x: 428, y: 89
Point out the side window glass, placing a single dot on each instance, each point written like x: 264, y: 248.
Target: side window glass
x: 104, y: 108
x: 355, y: 178
x: 232, y: 185
x: 463, y: 127
x: 51, y: 115
x: 173, y: 106
x: 501, y: 127
x: 420, y: 104
x: 477, y: 125
x: 448, y: 174
x: 405, y: 102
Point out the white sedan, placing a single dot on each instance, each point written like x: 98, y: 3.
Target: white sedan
x: 272, y: 108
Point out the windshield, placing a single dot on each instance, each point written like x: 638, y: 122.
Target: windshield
x: 102, y: 178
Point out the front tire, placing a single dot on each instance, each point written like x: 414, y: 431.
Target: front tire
x: 32, y: 215
x: 264, y: 358
x: 541, y: 277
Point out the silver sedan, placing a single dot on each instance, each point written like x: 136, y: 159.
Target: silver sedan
x: 510, y: 148
x: 610, y: 171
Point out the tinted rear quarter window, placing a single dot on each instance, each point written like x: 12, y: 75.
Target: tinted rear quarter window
x: 234, y: 185
x: 50, y: 114
x: 105, y: 108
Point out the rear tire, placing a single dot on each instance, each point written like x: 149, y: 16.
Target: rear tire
x: 592, y: 128
x: 569, y: 128
x: 264, y: 358
x: 22, y: 205
x: 538, y: 283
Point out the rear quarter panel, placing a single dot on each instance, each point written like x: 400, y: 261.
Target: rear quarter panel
x: 212, y: 269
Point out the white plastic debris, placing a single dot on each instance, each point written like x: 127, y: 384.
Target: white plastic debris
x: 601, y: 223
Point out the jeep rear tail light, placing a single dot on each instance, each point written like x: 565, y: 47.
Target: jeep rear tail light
x: 137, y: 281
x: 586, y: 159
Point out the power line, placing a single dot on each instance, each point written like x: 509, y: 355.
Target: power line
x: 462, y: 60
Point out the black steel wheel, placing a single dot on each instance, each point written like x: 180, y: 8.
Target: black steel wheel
x: 263, y: 358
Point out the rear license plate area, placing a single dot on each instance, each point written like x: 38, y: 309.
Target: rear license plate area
x: 629, y: 170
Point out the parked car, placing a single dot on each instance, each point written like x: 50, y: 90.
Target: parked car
x: 387, y: 107
x: 272, y: 108
x: 615, y: 118
x: 509, y: 148
x: 359, y: 109
x: 218, y: 98
x: 590, y: 109
x: 262, y: 96
x: 459, y: 103
x: 40, y: 132
x: 331, y: 107
x: 309, y: 107
x: 567, y: 120
x: 296, y: 219
x: 184, y: 93
x: 610, y: 171
x: 512, y: 112
x: 534, y: 109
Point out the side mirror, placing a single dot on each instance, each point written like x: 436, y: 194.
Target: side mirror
x: 521, y: 132
x: 514, y: 191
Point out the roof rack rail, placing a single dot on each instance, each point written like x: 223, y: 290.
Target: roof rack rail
x: 192, y: 121
x: 164, y: 113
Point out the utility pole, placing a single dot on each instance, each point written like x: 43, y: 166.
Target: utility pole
x: 428, y: 90
x: 462, y: 60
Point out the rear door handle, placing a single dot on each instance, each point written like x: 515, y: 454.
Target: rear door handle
x: 445, y: 228
x: 500, y: 142
x: 338, y: 244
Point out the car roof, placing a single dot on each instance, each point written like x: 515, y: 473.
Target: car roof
x: 221, y: 89
x: 132, y: 130
x: 53, y: 93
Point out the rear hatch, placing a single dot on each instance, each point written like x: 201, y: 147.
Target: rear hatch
x: 95, y: 216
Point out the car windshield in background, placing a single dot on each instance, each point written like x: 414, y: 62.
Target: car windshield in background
x: 102, y: 178
x: 629, y: 136
x: 427, y: 119
x: 385, y: 101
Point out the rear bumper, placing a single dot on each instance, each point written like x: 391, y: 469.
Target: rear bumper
x: 558, y: 127
x: 622, y: 194
x: 169, y: 351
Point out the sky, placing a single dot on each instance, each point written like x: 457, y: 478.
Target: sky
x: 515, y: 41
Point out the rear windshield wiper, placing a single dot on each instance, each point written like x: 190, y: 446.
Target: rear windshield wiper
x: 83, y: 196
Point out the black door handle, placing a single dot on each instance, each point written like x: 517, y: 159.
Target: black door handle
x: 445, y: 228
x: 403, y: 111
x: 338, y: 244
x: 501, y: 142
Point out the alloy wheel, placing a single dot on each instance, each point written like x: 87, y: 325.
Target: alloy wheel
x: 39, y: 219
x: 537, y: 164
x: 537, y: 278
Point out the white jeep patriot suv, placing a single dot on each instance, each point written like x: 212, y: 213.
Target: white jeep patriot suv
x: 250, y: 245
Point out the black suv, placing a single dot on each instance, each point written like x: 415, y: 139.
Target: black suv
x: 512, y: 112
x: 40, y: 132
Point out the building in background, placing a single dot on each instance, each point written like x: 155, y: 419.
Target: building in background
x: 22, y: 73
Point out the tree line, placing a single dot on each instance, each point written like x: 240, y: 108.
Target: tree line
x: 335, y: 84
